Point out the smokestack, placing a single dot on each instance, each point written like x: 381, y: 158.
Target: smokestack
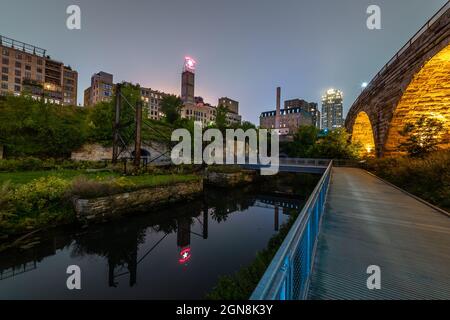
x: 278, y: 112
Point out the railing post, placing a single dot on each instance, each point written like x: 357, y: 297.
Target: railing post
x: 308, y: 248
x: 317, y: 212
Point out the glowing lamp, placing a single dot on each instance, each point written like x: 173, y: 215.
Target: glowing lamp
x: 364, y: 85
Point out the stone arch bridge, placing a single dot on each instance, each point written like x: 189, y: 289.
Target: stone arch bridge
x: 413, y: 84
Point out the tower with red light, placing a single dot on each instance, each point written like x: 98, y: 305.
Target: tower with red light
x: 188, y: 81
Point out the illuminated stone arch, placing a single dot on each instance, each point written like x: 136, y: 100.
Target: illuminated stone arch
x: 428, y: 94
x: 363, y: 134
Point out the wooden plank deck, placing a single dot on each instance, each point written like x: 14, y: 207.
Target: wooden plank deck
x: 368, y: 222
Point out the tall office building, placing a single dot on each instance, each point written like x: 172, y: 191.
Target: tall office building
x: 101, y: 89
x: 332, y: 110
x: 28, y: 70
x: 310, y: 107
x: 188, y: 81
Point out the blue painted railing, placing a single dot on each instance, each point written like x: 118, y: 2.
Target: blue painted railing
x: 288, y: 275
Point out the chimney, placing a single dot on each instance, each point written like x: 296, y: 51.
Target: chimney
x: 278, y: 112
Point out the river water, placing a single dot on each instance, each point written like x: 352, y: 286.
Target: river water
x: 175, y: 253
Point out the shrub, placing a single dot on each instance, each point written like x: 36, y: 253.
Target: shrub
x: 39, y: 195
x: 86, y: 188
x: 428, y: 177
x: 35, y: 164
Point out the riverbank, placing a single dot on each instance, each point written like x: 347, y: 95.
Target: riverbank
x: 141, y: 256
x: 33, y: 200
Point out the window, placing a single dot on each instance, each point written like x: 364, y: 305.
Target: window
x: 27, y: 75
x: 39, y: 62
x: 5, y: 70
x: 28, y: 68
x: 39, y: 70
x: 18, y: 56
x: 5, y: 61
x: 5, y: 86
x: 4, y: 77
x: 5, y: 52
x: 17, y: 80
x: 17, y: 88
x: 18, y: 65
x: 18, y: 73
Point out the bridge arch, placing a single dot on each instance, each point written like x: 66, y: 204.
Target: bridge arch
x: 414, y: 83
x: 428, y: 95
x: 363, y: 134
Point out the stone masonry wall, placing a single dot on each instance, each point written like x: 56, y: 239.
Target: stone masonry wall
x: 220, y: 179
x: 97, y: 152
x: 107, y: 207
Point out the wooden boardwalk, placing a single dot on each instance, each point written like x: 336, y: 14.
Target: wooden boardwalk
x: 368, y: 222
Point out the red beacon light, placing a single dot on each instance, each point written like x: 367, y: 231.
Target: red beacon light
x: 189, y: 63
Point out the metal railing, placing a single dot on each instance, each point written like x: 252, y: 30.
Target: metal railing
x: 305, y: 162
x: 288, y: 275
x: 19, y: 45
x: 425, y: 27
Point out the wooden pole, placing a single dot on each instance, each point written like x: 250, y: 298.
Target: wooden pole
x: 137, y: 144
x: 116, y: 125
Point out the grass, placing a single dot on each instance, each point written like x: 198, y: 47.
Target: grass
x: 145, y: 180
x: 158, y: 180
x: 23, y: 177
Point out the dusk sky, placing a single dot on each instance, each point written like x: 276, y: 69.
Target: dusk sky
x: 244, y: 48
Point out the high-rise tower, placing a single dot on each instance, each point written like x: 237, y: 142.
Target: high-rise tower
x: 332, y: 110
x: 188, y: 81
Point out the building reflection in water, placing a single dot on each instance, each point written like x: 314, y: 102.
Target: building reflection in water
x: 119, y: 242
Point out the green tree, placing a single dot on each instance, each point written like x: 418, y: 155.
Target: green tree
x: 245, y: 125
x: 171, y: 107
x: 100, y: 122
x: 34, y: 128
x: 335, y: 145
x: 422, y: 137
x: 221, y: 118
x: 100, y: 118
x: 304, y: 140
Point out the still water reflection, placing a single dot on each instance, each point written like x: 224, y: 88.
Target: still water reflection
x: 177, y: 253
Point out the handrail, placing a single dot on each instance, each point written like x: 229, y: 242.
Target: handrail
x: 305, y: 161
x: 424, y: 28
x: 288, y: 275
